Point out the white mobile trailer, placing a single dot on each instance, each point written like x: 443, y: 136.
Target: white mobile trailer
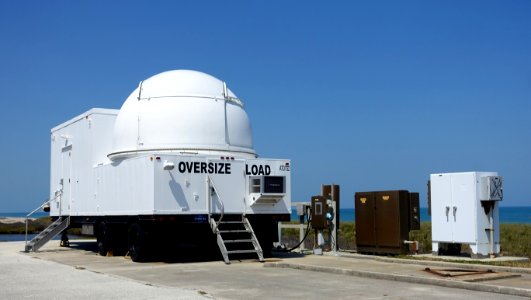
x: 92, y: 185
x: 126, y: 178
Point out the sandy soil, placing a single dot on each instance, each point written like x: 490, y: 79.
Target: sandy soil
x: 13, y: 220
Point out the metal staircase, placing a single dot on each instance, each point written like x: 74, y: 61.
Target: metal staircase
x: 47, y: 234
x: 233, y: 236
x: 236, y: 237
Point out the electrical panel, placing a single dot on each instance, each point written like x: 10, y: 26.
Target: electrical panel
x: 464, y: 210
x: 331, y: 192
x: 319, y: 209
x: 414, y: 211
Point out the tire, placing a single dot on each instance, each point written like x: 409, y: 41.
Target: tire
x: 103, y: 239
x: 119, y: 240
x: 454, y: 249
x: 136, y: 244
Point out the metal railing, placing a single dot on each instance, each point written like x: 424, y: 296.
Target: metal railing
x: 210, y: 184
x: 57, y: 194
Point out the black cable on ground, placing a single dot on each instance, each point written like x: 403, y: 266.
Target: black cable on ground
x: 305, y: 236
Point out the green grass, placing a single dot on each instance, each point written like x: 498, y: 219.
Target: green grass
x: 34, y: 226
x: 515, y: 239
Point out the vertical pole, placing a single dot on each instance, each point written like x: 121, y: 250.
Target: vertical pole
x: 491, y: 219
x: 316, y: 239
x: 334, y: 230
x: 26, y: 238
x: 334, y: 193
x: 208, y: 198
x: 301, y: 236
x: 279, y: 233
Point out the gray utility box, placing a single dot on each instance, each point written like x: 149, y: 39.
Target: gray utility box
x: 464, y: 210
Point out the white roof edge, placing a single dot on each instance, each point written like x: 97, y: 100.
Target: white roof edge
x: 465, y: 172
x: 92, y: 111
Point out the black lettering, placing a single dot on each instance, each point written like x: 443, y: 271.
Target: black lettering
x: 258, y: 170
x: 284, y: 168
x: 182, y: 167
x: 227, y: 168
x: 209, y: 168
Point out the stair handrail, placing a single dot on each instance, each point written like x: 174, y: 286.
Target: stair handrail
x: 57, y: 194
x: 211, y: 183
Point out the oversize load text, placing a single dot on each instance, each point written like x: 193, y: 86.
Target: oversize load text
x: 203, y: 167
x: 219, y: 168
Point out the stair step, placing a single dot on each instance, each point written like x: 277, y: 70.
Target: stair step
x: 231, y: 222
x: 238, y: 241
x: 234, y: 231
x: 241, y: 251
x: 47, y: 234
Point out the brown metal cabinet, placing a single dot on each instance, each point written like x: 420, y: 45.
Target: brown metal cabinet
x: 364, y: 212
x: 383, y: 220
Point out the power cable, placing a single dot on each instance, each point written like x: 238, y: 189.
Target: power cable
x: 305, y: 236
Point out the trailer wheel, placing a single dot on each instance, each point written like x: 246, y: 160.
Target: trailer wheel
x: 103, y: 239
x: 136, y: 243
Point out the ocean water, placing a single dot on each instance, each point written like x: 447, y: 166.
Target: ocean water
x: 510, y: 214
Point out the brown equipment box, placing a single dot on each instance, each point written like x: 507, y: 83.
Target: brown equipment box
x: 384, y: 219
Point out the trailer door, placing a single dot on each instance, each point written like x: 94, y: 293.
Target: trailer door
x: 66, y: 157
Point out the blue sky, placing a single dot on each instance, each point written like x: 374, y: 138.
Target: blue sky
x: 369, y: 95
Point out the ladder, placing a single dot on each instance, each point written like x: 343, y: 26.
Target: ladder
x: 47, y: 234
x: 236, y: 237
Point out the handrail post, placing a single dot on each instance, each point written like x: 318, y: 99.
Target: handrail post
x: 220, y: 202
x: 209, y: 199
x: 33, y: 211
x: 26, y: 237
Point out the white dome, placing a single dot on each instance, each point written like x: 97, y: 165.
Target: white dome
x: 182, y: 110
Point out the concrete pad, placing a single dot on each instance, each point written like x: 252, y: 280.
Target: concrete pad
x: 245, y: 280
x: 507, y: 284
x: 23, y: 276
x: 432, y: 261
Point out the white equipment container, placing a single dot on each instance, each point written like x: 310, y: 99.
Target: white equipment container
x: 464, y: 210
x: 180, y: 150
